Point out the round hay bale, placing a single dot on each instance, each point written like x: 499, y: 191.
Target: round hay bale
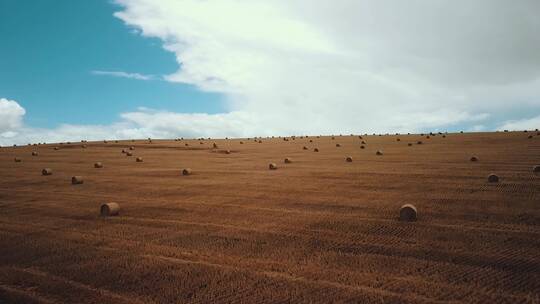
x: 536, y: 169
x: 241, y: 142
x: 311, y: 140
x: 260, y: 141
x: 105, y: 141
x: 272, y: 166
x: 34, y: 153
x: 397, y: 139
x: 348, y: 159
x: 116, y: 141
x: 333, y: 138
x: 530, y: 136
x: 186, y: 144
x: 493, y: 178
x: 409, y: 144
x: 124, y: 151
x: 419, y: 142
x: 338, y: 145
x: 214, y: 145
x: 304, y: 147
x: 109, y: 209
x: 132, y: 148
x: 139, y: 159
x: 46, y: 171
x: 316, y: 150
x: 474, y: 158
x: 287, y: 160
x: 129, y: 154
x: 77, y: 180
x: 362, y: 147
x: 408, y: 213
x: 227, y: 151
x: 186, y: 171
x: 98, y: 165
x: 363, y: 142
x: 84, y: 146
x: 17, y: 160
x: 56, y: 148
x: 444, y: 136
x: 379, y: 152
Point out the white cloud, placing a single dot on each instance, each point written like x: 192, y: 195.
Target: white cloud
x: 11, y: 114
x: 123, y: 75
x: 522, y: 124
x: 299, y: 66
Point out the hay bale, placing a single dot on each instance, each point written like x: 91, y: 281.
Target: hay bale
x: 17, y: 160
x: 46, y: 171
x: 333, y: 138
x: 186, y: 171
x: 132, y: 148
x: 379, y: 152
x: 474, y: 158
x: 227, y: 151
x: 241, y: 142
x: 84, y: 146
x: 214, y: 145
x: 109, y: 209
x: 186, y: 144
x: 419, y: 142
x: 139, y: 159
x: 409, y: 144
x: 272, y: 166
x: 98, y: 165
x: 287, y: 160
x: 77, y: 180
x: 316, y: 150
x: 34, y: 153
x: 338, y: 145
x: 105, y: 141
x: 348, y: 159
x: 397, y: 139
x: 260, y: 141
x: 530, y: 136
x: 311, y: 140
x: 408, y: 213
x: 536, y: 169
x: 363, y: 142
x: 305, y: 148
x: 129, y: 154
x: 493, y: 178
x: 56, y: 148
x: 362, y: 147
x: 124, y: 151
x: 444, y: 136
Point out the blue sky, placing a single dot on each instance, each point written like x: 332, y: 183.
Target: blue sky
x: 49, y: 48
x: 77, y: 69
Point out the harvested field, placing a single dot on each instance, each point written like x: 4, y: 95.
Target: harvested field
x: 317, y: 230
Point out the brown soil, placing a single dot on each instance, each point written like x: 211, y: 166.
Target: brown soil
x: 318, y: 230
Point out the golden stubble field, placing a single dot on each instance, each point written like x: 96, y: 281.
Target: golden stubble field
x: 316, y: 230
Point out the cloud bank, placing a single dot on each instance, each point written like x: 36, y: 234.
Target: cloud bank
x: 347, y: 66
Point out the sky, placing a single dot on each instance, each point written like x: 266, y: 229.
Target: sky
x: 106, y: 69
